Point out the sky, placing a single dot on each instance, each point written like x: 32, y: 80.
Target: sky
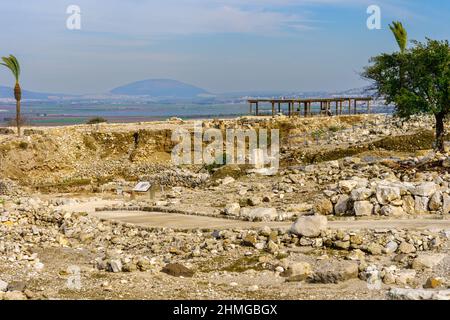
x: 219, y: 45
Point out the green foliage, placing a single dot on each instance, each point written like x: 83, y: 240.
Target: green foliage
x: 317, y: 134
x: 425, y: 83
x: 400, y: 34
x: 96, y: 120
x: 12, y: 64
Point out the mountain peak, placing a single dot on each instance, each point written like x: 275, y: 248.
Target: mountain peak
x: 159, y: 88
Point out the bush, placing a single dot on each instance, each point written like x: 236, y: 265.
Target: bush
x: 96, y: 120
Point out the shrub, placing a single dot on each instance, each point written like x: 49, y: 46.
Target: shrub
x: 96, y: 120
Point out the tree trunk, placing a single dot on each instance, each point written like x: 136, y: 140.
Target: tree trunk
x: 440, y: 131
x: 18, y: 97
x: 18, y: 117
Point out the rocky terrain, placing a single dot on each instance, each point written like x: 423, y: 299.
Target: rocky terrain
x: 359, y: 209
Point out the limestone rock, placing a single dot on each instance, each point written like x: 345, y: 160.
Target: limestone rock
x: 445, y: 203
x: 323, y: 206
x: 363, y: 208
x: 406, y: 247
x: 232, y: 209
x: 335, y: 272
x: 435, y: 201
x: 346, y: 186
x: 259, y: 214
x: 408, y: 204
x: 427, y: 261
x: 177, y: 270
x: 309, y: 226
x: 425, y: 189
x: 421, y: 205
x: 390, y: 210
x: 298, y: 271
x: 386, y: 194
x: 342, y: 205
x: 361, y: 194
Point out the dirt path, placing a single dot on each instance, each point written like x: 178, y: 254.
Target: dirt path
x: 181, y: 221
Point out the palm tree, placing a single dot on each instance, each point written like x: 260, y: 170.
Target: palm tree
x: 400, y: 35
x: 12, y: 64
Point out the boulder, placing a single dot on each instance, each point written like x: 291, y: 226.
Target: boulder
x: 445, y: 203
x: 346, y: 186
x: 297, y: 271
x: 363, y: 208
x: 14, y: 295
x: 425, y: 189
x: 405, y: 277
x: 421, y: 204
x: 386, y: 194
x: 309, y: 226
x: 427, y: 261
x: 334, y: 272
x: 232, y: 209
x: 17, y: 286
x: 3, y: 286
x: 114, y: 265
x: 391, y: 247
x: 177, y: 270
x: 434, y: 282
x: 254, y: 201
x: 361, y: 194
x: 390, y: 210
x: 408, y: 204
x: 374, y: 248
x: 435, y: 202
x: 323, y: 206
x: 259, y: 214
x: 343, y: 205
x: 406, y: 247
x: 418, y: 294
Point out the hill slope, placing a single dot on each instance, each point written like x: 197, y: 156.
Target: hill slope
x: 159, y: 88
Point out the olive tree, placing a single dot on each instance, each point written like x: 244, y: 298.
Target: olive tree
x: 416, y: 81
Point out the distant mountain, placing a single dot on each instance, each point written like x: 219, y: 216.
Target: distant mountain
x: 8, y: 93
x: 160, y: 88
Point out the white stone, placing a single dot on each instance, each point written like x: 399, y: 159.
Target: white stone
x: 298, y: 269
x: 405, y: 276
x: 232, y: 209
x: 3, y: 286
x: 115, y: 266
x: 259, y: 214
x: 425, y: 189
x: 427, y: 261
x: 435, y: 201
x: 363, y: 208
x: 227, y: 180
x: 346, y: 186
x: 445, y: 203
x: 419, y: 294
x: 390, y: 210
x: 421, y: 205
x: 391, y: 247
x: 386, y: 194
x: 309, y: 226
x: 361, y: 194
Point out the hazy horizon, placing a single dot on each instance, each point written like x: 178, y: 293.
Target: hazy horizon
x: 220, y: 46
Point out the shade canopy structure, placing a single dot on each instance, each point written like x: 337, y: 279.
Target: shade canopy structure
x: 326, y: 106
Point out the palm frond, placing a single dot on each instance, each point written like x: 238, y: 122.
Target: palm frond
x: 400, y: 34
x: 12, y: 64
